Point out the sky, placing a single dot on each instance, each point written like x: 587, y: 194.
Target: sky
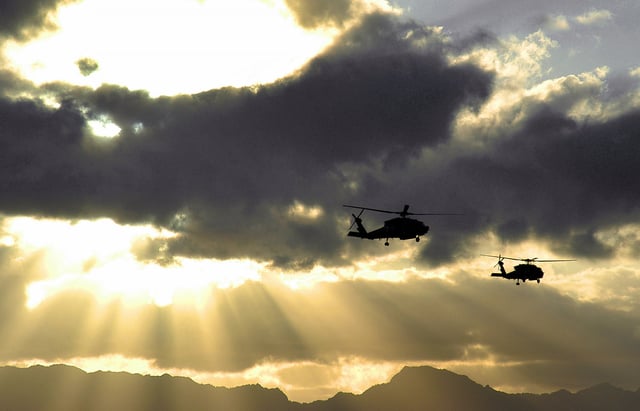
x: 172, y: 175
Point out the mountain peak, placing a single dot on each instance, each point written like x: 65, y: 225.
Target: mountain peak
x: 425, y: 371
x: 604, y: 387
x: 58, y: 388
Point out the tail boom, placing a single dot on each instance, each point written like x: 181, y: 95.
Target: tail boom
x: 359, y: 234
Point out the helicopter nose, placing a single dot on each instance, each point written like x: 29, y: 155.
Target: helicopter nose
x: 425, y: 229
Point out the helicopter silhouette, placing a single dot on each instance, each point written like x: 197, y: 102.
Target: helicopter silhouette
x: 401, y: 227
x: 524, y: 272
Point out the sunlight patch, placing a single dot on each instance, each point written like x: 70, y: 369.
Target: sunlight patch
x: 76, y: 241
x: 302, y: 211
x: 169, y: 46
x: 97, y: 257
x: 307, y: 280
x: 397, y: 266
x: 306, y: 381
x: 187, y: 283
x: 104, y: 127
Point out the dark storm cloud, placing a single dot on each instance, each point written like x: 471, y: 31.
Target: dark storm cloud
x: 11, y: 83
x: 22, y: 19
x: 560, y: 180
x: 229, y: 163
x: 37, y: 147
x: 469, y: 320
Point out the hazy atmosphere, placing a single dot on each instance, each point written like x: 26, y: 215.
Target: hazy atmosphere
x: 172, y: 175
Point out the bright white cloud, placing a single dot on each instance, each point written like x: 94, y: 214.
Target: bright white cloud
x: 517, y: 65
x: 595, y: 17
x: 97, y: 257
x: 188, y: 282
x: 170, y: 46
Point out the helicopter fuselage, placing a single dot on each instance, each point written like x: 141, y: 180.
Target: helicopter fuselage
x: 403, y: 228
x: 522, y: 272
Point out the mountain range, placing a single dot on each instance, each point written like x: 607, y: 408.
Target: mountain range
x: 61, y: 387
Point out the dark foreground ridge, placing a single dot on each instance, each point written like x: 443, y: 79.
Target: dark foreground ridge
x: 60, y: 387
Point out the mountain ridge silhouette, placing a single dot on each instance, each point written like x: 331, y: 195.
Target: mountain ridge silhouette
x: 63, y: 387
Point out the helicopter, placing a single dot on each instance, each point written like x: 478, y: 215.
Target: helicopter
x: 524, y: 272
x: 401, y: 227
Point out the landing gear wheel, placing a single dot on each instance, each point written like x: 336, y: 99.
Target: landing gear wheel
x: 417, y: 239
x: 386, y: 243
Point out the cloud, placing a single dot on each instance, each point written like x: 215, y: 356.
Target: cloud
x: 23, y: 19
x: 87, y: 65
x: 560, y: 22
x: 556, y: 23
x: 394, y: 113
x: 595, y: 17
x: 12, y: 84
x: 531, y: 159
x: 313, y: 14
x: 554, y: 178
x: 234, y: 161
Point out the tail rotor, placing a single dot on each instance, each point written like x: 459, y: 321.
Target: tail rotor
x: 499, y: 257
x: 356, y: 219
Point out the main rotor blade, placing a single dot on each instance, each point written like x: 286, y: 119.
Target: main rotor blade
x: 434, y: 214
x: 536, y: 260
x: 372, y: 209
x: 402, y: 213
x: 500, y: 256
x: 506, y: 258
x: 528, y: 260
